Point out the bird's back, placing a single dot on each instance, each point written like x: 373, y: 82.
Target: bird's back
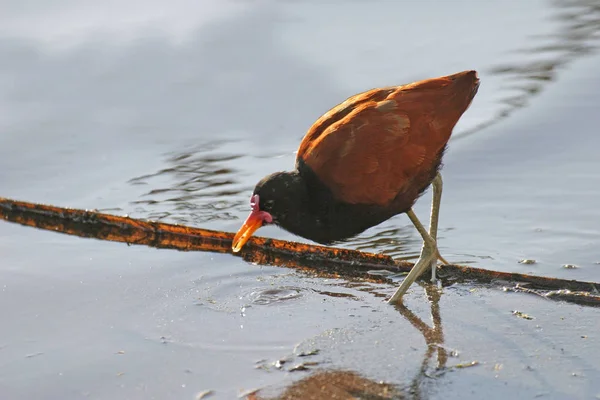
x: 384, y: 146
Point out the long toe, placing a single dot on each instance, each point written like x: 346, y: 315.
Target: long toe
x: 442, y: 259
x: 434, y: 265
x: 424, y: 262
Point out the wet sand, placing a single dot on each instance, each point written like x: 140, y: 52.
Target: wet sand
x: 174, y: 114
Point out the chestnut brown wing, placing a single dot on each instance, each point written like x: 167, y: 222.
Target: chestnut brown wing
x: 373, y: 146
x: 385, y: 142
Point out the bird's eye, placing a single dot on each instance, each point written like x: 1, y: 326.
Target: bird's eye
x: 269, y: 203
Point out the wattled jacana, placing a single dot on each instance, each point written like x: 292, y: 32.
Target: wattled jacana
x: 364, y: 161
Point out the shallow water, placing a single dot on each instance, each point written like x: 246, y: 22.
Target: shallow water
x: 174, y: 112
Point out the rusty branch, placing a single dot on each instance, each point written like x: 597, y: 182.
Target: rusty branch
x: 319, y: 259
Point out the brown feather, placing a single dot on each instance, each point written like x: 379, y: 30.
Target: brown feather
x: 385, y: 142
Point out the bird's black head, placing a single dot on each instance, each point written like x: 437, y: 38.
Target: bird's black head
x: 275, y: 199
x: 278, y: 193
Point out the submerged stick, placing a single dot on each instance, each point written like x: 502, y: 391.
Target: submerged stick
x: 320, y: 259
x: 93, y: 224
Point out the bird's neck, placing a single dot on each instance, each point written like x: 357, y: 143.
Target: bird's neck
x: 304, y: 215
x: 311, y: 211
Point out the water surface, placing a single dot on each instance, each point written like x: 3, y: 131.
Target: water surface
x: 174, y: 112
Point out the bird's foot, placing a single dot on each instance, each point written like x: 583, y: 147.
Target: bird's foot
x: 428, y: 259
x: 434, y: 265
x: 442, y: 259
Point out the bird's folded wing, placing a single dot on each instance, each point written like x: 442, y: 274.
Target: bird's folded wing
x: 370, y: 148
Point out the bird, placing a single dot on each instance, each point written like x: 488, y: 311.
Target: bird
x: 364, y: 161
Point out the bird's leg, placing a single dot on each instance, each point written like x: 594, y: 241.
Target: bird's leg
x: 429, y: 254
x: 429, y: 251
x: 433, y: 223
x: 433, y: 220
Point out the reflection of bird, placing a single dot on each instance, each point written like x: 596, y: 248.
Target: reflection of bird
x: 364, y: 161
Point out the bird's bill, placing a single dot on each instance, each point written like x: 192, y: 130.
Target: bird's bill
x: 252, y: 223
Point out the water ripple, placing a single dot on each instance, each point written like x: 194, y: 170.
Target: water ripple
x: 200, y: 184
x: 264, y: 297
x: 576, y: 36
